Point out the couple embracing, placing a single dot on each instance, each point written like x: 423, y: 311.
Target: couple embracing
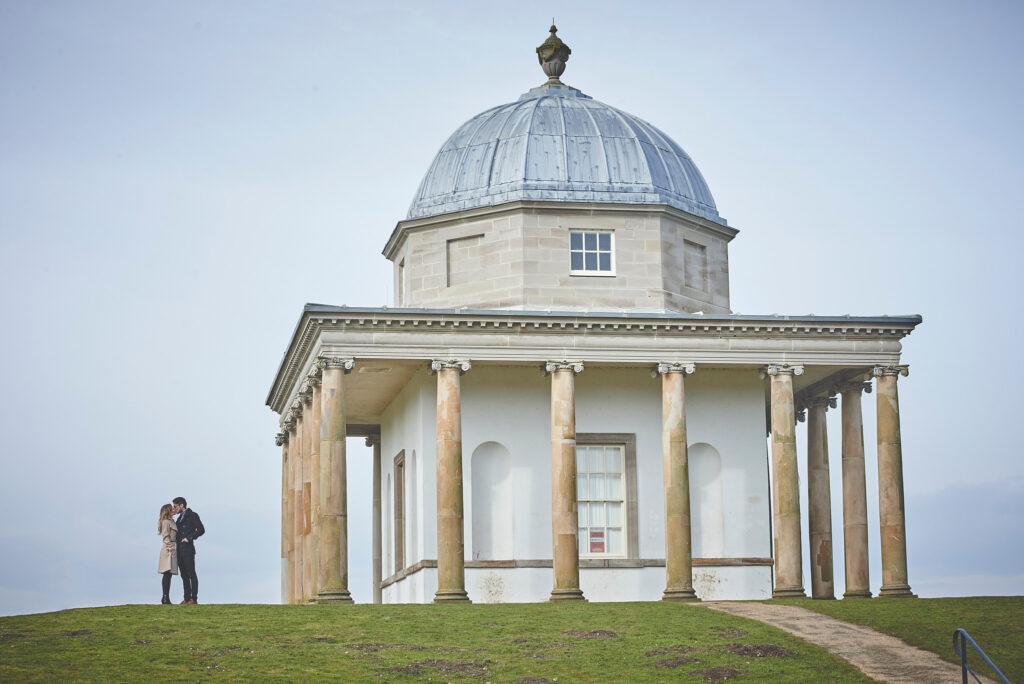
x: 178, y: 550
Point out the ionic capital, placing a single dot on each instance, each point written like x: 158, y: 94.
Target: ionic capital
x: 295, y: 412
x: 801, y: 415
x: 281, y: 438
x: 305, y: 394
x: 783, y: 369
x: 288, y: 423
x: 552, y: 366
x: 686, y: 367
x: 344, y: 364
x: 462, y: 365
x: 823, y: 400
x: 879, y: 371
x: 315, y: 376
x: 372, y: 440
x: 844, y: 387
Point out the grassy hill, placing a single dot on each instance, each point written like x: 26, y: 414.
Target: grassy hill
x: 529, y: 643
x: 526, y: 643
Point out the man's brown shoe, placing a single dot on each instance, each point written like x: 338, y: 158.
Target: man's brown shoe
x: 190, y: 603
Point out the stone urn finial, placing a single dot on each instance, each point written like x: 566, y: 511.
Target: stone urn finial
x: 552, y: 55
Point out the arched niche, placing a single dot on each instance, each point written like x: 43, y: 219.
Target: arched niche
x: 707, y: 519
x: 492, y: 507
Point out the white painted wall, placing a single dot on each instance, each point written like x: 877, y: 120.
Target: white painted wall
x: 506, y: 412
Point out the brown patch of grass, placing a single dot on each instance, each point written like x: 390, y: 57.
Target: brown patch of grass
x: 759, y: 650
x: 720, y: 632
x: 76, y: 632
x: 677, y: 661
x: 377, y: 648
x: 591, y: 633
x: 678, y: 649
x: 445, y: 667
x: 716, y: 674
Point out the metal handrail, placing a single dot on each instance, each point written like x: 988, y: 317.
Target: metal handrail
x: 960, y: 640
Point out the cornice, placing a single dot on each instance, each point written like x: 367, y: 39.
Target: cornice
x: 730, y: 339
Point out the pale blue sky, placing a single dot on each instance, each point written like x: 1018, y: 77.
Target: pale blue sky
x: 177, y: 179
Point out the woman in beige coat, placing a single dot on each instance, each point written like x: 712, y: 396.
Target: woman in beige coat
x: 168, y: 564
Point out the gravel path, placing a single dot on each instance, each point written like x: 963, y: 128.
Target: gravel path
x: 877, y: 655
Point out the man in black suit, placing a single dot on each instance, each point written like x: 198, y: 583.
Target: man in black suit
x: 190, y: 528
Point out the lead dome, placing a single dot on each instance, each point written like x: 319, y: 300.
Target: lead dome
x: 557, y: 144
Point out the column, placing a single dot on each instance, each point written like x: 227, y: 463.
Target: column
x: 678, y: 552
x: 785, y: 483
x: 451, y: 573
x: 297, y: 506
x: 564, y: 515
x: 819, y: 498
x: 855, y: 496
x: 332, y: 494
x: 281, y: 439
x: 315, y: 482
x: 374, y: 441
x: 307, y: 494
x: 890, y: 484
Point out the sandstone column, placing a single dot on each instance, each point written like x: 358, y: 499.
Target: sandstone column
x: 332, y: 494
x: 819, y: 499
x: 676, y: 474
x: 564, y: 515
x: 451, y: 573
x: 785, y: 483
x: 374, y: 441
x: 855, y: 498
x: 281, y: 439
x: 890, y: 484
x: 297, y: 505
x: 293, y: 442
x: 308, y: 591
x: 314, y: 489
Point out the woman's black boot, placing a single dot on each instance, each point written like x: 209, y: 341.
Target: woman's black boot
x: 166, y: 599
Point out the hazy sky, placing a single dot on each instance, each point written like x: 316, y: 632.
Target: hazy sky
x: 178, y: 179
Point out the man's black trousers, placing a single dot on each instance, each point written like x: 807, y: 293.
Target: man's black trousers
x: 187, y: 568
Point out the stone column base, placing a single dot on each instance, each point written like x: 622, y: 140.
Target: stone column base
x: 896, y: 591
x: 451, y: 597
x: 680, y: 595
x: 567, y: 595
x: 864, y: 593
x: 789, y: 592
x: 338, y: 596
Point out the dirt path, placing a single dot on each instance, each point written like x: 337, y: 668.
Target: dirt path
x: 877, y: 655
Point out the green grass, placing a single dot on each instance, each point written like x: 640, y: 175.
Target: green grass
x: 401, y: 643
x: 996, y: 623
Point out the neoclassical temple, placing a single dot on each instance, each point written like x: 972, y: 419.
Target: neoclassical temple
x: 561, y: 404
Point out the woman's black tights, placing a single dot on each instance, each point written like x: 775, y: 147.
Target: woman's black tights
x: 166, y: 581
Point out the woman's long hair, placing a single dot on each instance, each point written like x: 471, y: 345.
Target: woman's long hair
x: 165, y: 514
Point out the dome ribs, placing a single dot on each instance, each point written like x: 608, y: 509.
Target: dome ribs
x: 557, y: 144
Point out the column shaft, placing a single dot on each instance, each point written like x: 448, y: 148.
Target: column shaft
x: 285, y: 487
x: 564, y: 503
x: 297, y: 508
x: 678, y: 553
x: 332, y: 491
x: 377, y: 540
x: 855, y: 498
x: 890, y: 488
x: 785, y: 485
x: 819, y: 503
x: 307, y: 502
x: 451, y: 573
x: 314, y: 490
